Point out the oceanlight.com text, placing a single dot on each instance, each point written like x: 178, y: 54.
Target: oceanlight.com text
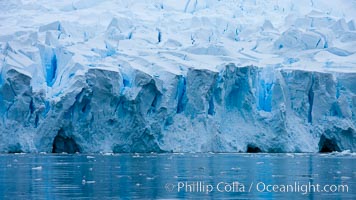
x: 238, y: 187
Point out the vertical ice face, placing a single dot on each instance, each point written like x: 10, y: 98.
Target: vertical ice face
x: 187, y: 76
x: 181, y: 94
x: 236, y: 109
x: 49, y: 62
x: 265, y: 89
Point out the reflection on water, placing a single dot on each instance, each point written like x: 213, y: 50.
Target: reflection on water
x: 158, y: 176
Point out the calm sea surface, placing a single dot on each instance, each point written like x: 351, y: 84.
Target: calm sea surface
x: 178, y: 176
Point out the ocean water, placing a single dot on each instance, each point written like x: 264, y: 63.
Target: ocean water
x: 177, y: 176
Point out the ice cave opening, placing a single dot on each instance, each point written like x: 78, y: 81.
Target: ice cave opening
x: 253, y: 149
x: 63, y: 143
x: 327, y: 145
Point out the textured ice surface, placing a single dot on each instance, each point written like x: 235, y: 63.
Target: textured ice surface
x: 182, y: 76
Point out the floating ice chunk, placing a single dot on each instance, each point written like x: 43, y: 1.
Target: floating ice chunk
x: 37, y: 168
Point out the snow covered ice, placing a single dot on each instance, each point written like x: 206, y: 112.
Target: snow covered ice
x: 181, y: 76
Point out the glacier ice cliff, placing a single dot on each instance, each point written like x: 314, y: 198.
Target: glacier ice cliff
x: 226, y: 111
x: 90, y: 76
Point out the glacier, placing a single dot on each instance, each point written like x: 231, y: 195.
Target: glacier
x: 177, y: 76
